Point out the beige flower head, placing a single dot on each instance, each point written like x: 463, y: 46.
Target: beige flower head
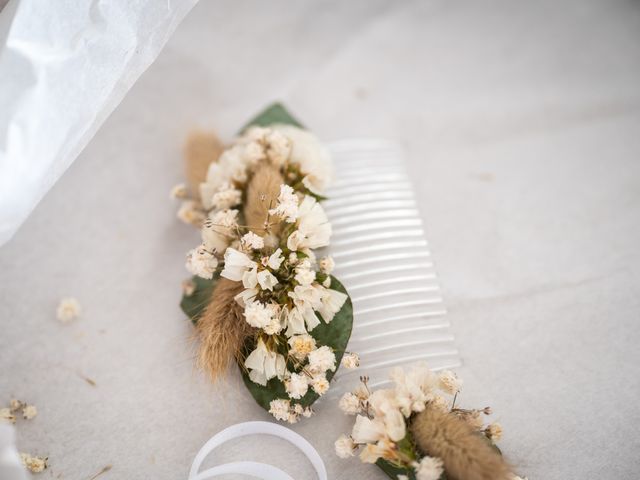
x: 68, y: 309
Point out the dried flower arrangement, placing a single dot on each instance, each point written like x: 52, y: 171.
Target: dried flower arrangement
x: 415, y: 431
x: 259, y: 293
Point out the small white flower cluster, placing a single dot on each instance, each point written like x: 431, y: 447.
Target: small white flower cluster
x: 287, y: 290
x: 8, y: 414
x: 283, y: 410
x: 382, y: 417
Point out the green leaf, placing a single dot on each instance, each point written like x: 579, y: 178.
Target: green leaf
x: 334, y: 334
x: 195, y: 304
x: 392, y: 471
x: 274, y: 113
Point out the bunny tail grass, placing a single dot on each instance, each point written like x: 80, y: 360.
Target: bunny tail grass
x: 262, y: 192
x: 200, y: 150
x: 466, y: 455
x: 222, y: 329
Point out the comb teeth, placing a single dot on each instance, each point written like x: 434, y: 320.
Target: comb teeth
x: 384, y: 261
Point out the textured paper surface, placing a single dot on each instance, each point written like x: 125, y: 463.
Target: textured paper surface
x: 522, y: 128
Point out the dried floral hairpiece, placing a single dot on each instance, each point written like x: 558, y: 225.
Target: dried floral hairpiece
x: 415, y: 431
x: 259, y: 293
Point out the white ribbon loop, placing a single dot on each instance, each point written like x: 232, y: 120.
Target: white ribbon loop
x: 254, y: 469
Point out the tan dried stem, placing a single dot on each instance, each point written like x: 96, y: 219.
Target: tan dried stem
x: 222, y: 329
x: 200, y: 150
x: 262, y: 194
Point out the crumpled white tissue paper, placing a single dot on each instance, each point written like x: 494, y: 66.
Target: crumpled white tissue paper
x: 64, y: 67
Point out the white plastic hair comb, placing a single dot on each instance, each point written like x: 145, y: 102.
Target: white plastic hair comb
x: 382, y: 258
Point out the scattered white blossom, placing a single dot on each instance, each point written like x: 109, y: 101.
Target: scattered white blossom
x: 326, y: 265
x: 266, y: 280
x: 350, y: 360
x: 190, y: 213
x: 331, y: 303
x: 310, y: 156
x: 279, y: 408
x: 301, y: 345
x: 296, y: 385
x: 29, y: 412
x: 235, y: 264
x: 304, y: 274
x: 263, y: 364
x: 274, y: 260
x: 278, y: 147
x: 33, y: 463
x: 287, y: 204
x: 251, y: 241
x: 226, y: 197
x: 371, y: 453
x: 449, y: 382
x: 201, y: 262
x: 259, y: 315
x: 320, y: 384
x: 314, y: 229
x: 224, y: 222
x: 274, y: 327
x: 179, y: 191
x: 344, y: 446
x: 494, y: 431
x: 429, y: 468
x: 322, y: 359
x: 7, y: 416
x: 349, y: 404
x: 68, y: 309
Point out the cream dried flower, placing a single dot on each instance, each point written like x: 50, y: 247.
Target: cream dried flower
x: 449, y: 382
x: 251, y: 241
x: 279, y: 408
x: 350, y: 360
x: 258, y: 315
x: 179, y: 191
x: 371, y: 453
x: 429, y: 468
x: 201, y: 262
x: 349, y: 404
x: 494, y: 431
x: 278, y: 148
x: 226, y: 197
x: 304, y: 274
x: 326, y: 265
x: 322, y: 359
x: 320, y: 384
x: 7, y: 416
x: 344, y: 446
x: 29, y: 412
x: 188, y: 287
x: 287, y: 205
x: 266, y: 280
x: 16, y: 405
x: 296, y: 385
x: 191, y: 213
x: 301, y: 346
x: 33, y: 463
x: 68, y: 309
x: 440, y: 402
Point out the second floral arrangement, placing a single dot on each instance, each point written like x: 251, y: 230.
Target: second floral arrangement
x: 261, y: 293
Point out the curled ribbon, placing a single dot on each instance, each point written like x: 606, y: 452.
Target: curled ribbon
x: 255, y: 469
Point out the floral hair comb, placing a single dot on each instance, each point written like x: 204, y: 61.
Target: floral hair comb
x: 260, y: 292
